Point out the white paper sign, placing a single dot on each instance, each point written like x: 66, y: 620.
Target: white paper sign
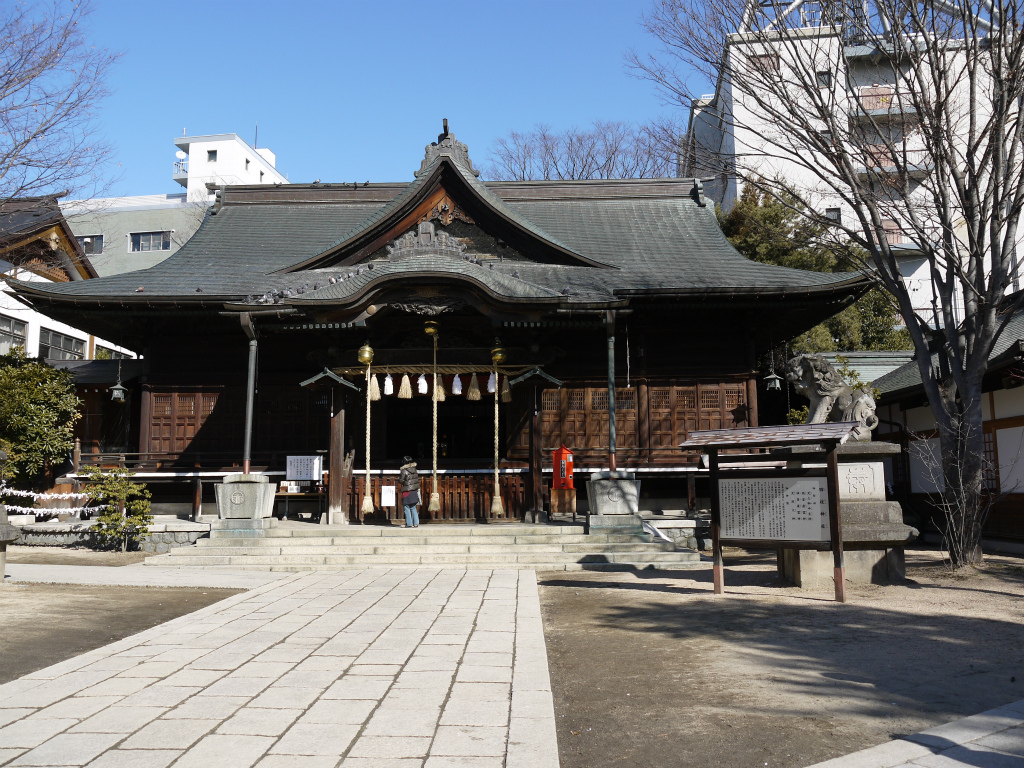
x: 305, y: 468
x: 387, y: 495
x: 784, y: 509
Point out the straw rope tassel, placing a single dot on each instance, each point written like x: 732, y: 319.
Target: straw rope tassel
x: 497, y: 510
x: 506, y: 391
x: 374, y: 389
x: 435, y: 498
x: 474, y: 388
x: 405, y: 390
x: 367, y: 507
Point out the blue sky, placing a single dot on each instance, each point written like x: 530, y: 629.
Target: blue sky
x: 351, y: 91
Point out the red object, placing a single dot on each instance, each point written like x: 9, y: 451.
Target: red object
x: 563, y: 468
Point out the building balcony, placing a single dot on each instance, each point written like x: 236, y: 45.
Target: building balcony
x: 180, y: 173
x: 879, y: 162
x: 879, y: 102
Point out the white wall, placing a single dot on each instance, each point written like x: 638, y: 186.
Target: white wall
x: 925, y: 466
x: 1010, y: 446
x: 230, y: 165
x: 1009, y: 402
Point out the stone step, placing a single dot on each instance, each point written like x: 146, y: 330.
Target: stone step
x: 498, y: 559
x: 576, y: 566
x: 436, y: 549
x: 437, y: 529
x: 238, y: 541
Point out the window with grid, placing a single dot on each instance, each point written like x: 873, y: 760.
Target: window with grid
x: 686, y: 399
x: 990, y: 472
x: 599, y: 400
x: 576, y: 400
x: 106, y: 353
x: 209, y: 401
x: 625, y: 399
x: 12, y: 334
x: 710, y: 398
x: 151, y: 241
x: 733, y: 398
x: 550, y: 400
x: 57, y: 346
x: 91, y: 243
x: 661, y: 399
x: 161, y: 405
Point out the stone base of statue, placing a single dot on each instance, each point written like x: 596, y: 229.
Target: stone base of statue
x: 873, y: 530
x: 245, y: 497
x: 614, y: 503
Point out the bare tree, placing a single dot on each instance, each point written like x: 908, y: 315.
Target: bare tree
x: 904, y: 116
x: 606, y: 150
x: 51, y: 83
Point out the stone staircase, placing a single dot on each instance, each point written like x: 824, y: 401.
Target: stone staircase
x: 294, y: 546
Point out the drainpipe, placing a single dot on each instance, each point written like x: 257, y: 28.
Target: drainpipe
x: 610, y: 328
x: 250, y: 392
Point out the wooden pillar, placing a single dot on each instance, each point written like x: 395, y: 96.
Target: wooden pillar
x: 718, y: 567
x: 197, y: 496
x: 612, y: 432
x: 644, y: 407
x: 336, y: 469
x: 146, y: 421
x: 536, y: 499
x: 752, y: 402
x: 835, y: 525
x: 691, y: 491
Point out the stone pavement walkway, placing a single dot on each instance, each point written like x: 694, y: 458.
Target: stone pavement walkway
x: 372, y: 669
x: 993, y: 739
x: 138, y: 575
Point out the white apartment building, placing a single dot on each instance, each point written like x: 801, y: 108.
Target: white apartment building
x: 728, y: 130
x: 123, y: 234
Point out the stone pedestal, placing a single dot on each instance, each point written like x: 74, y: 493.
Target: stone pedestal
x: 563, y: 501
x: 245, y: 497
x: 8, y: 533
x: 614, y: 502
x: 873, y: 531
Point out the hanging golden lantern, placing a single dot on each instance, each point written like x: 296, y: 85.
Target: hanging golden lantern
x: 498, y: 355
x: 430, y: 327
x: 366, y: 354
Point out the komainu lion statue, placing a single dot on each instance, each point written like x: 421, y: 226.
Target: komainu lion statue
x: 832, y: 399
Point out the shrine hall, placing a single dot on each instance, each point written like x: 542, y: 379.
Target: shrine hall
x: 473, y: 325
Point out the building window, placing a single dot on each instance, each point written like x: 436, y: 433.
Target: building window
x: 767, y: 63
x: 211, y: 155
x: 151, y: 241
x: 12, y: 334
x: 91, y: 243
x: 835, y: 215
x: 106, y: 353
x: 824, y: 79
x: 57, y: 346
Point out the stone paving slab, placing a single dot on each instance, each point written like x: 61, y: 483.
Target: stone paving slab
x: 423, y: 668
x: 992, y: 739
x: 137, y: 575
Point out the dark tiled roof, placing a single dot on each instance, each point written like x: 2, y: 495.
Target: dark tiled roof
x: 907, y: 378
x: 653, y: 235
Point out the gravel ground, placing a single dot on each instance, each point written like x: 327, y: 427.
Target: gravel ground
x: 653, y: 670
x: 42, y: 624
x: 71, y: 556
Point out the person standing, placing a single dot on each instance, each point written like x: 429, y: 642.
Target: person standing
x: 409, y: 479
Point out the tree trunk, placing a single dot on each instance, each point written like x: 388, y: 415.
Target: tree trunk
x: 963, y: 464
x: 124, y: 526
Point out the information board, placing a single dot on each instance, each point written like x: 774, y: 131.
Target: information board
x: 387, y: 495
x: 785, y: 508
x: 305, y: 468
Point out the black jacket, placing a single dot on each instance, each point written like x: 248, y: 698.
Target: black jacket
x: 408, y: 478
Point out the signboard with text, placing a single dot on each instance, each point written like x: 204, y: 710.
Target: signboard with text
x: 305, y: 468
x: 775, y: 509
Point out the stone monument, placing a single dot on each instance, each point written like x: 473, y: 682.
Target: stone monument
x: 614, y: 498
x: 872, y: 527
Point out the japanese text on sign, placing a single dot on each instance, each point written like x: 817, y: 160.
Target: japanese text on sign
x: 784, y: 509
x: 305, y: 468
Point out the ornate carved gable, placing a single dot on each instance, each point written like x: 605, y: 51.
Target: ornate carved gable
x: 446, y: 211
x: 425, y: 241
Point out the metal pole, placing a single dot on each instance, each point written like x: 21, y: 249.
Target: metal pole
x: 612, y: 434
x: 250, y: 396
